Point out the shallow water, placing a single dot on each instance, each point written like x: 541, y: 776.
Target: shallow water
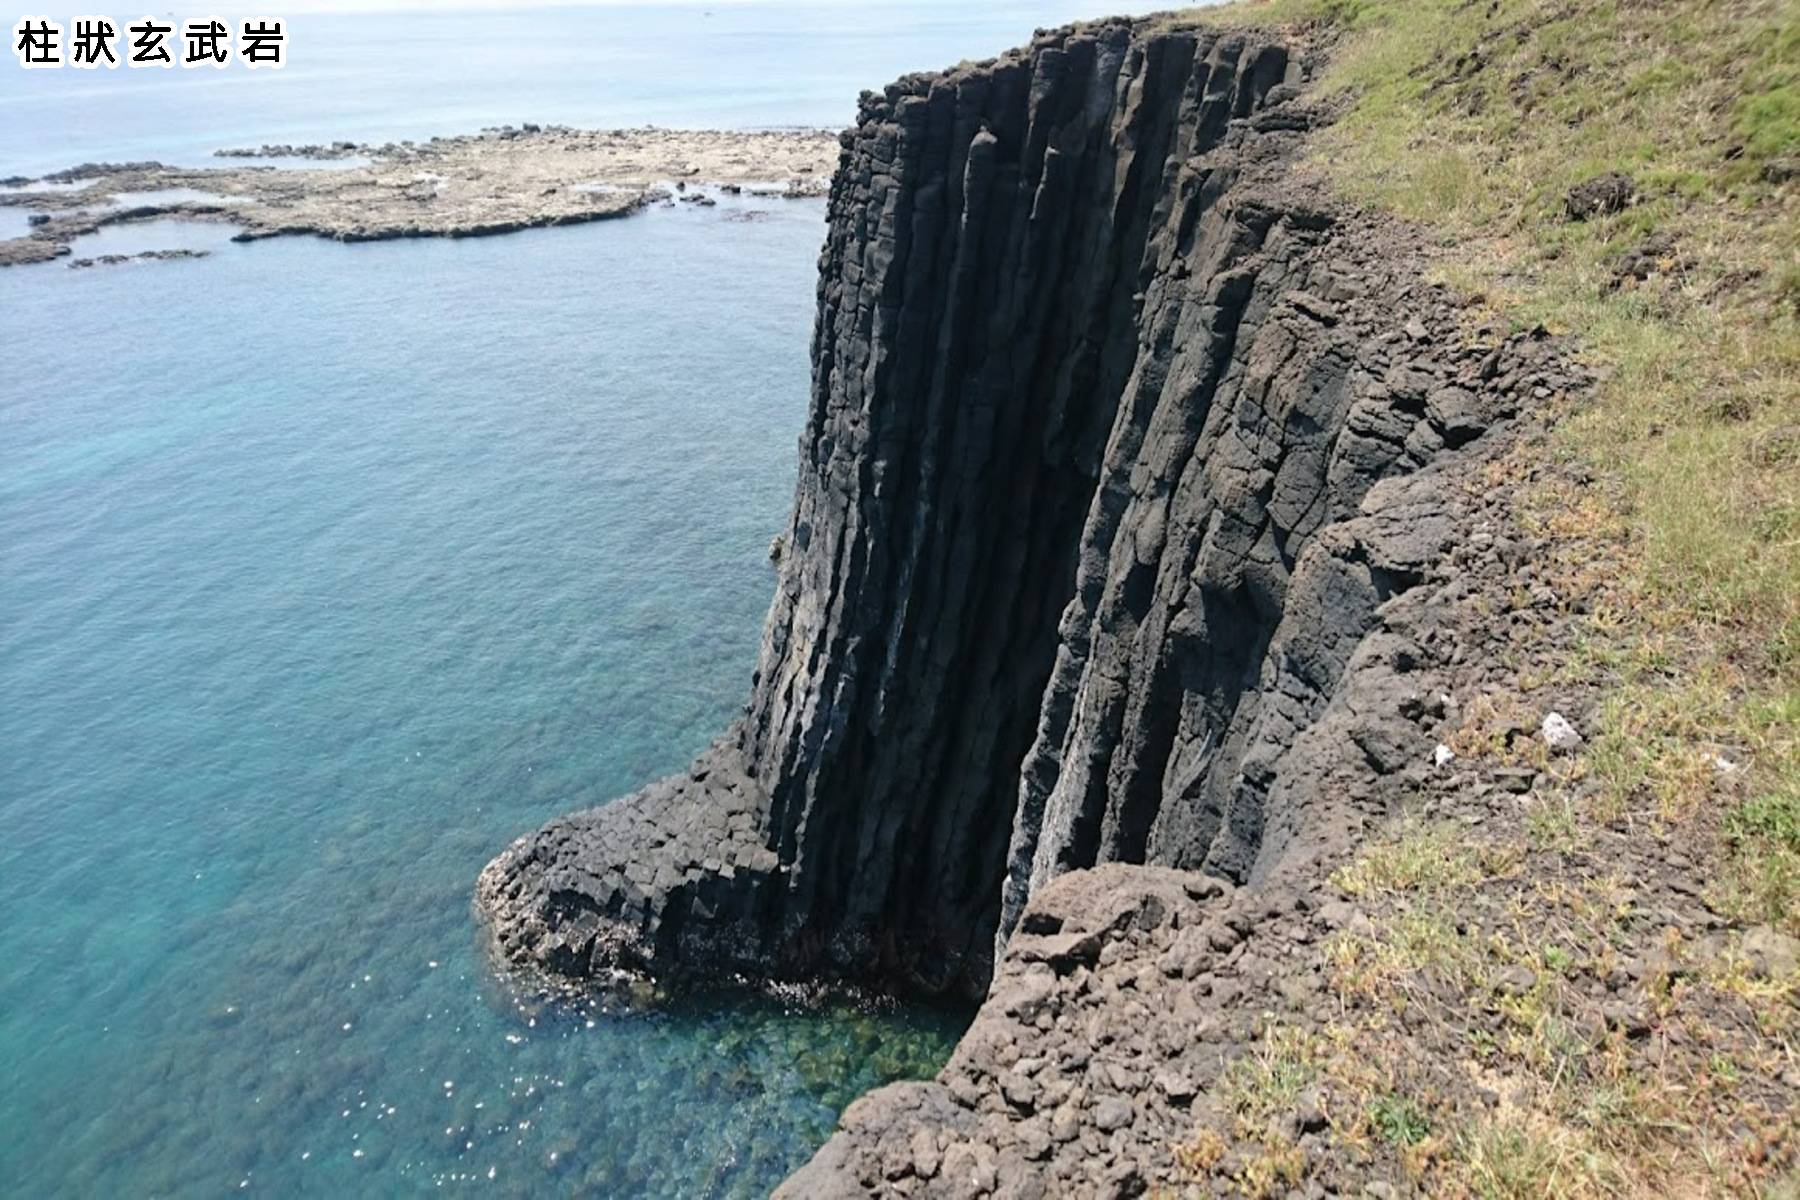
x: 292, y: 162
x: 163, y: 233
x: 327, y: 570
x: 73, y: 185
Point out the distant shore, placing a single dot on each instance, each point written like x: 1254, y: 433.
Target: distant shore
x: 496, y: 181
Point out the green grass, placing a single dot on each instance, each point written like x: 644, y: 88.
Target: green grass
x: 1475, y: 119
x: 1764, y: 838
x: 1422, y: 858
x: 1398, y: 1120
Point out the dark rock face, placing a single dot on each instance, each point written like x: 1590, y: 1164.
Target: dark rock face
x: 1098, y: 500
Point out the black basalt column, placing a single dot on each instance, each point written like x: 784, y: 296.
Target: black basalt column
x: 989, y: 352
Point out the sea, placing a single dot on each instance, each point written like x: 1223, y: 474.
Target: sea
x: 327, y: 570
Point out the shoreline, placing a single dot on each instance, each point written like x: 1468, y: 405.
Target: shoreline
x: 500, y: 180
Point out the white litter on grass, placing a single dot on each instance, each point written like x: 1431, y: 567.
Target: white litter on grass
x: 1443, y: 756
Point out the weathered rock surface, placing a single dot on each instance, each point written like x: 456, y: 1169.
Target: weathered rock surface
x: 498, y: 181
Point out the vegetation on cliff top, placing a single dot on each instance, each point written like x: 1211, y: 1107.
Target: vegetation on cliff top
x: 1679, y: 503
x: 1479, y: 120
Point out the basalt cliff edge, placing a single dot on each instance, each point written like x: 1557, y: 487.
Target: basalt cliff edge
x: 1127, y: 536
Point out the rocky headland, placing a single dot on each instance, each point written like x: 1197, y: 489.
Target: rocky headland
x: 497, y: 181
x: 1125, y: 440
x: 1158, y: 632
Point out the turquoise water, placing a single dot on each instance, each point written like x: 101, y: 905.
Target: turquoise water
x: 327, y: 570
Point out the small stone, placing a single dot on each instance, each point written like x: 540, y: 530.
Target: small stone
x: 1176, y: 1086
x: 1020, y: 1092
x: 925, y: 1155
x: 1600, y: 196
x: 1034, y: 1143
x: 1063, y: 951
x: 1309, y: 1112
x: 1515, y: 779
x: 1113, y: 1113
x: 1560, y: 734
x: 1772, y: 953
x: 1314, y: 307
x: 1627, y: 1018
x: 1515, y: 981
x: 1455, y: 411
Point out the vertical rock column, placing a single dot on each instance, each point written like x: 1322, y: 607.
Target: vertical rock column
x: 978, y: 313
x: 980, y: 299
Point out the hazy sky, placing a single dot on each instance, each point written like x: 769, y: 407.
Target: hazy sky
x: 13, y: 9
x: 276, y: 8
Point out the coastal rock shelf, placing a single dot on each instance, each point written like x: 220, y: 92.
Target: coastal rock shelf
x: 493, y: 182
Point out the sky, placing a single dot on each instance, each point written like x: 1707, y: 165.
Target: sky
x: 13, y: 9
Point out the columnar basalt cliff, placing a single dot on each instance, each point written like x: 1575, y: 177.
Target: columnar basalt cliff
x: 1121, y: 437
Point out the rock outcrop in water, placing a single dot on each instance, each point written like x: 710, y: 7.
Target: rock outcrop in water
x: 499, y: 181
x: 1122, y: 435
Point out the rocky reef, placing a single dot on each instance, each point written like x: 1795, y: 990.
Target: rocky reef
x: 497, y: 181
x: 1135, y: 470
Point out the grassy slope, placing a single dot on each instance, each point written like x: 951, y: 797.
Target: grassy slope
x: 1475, y: 119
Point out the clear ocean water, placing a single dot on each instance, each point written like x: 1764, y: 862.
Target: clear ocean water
x: 327, y: 570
